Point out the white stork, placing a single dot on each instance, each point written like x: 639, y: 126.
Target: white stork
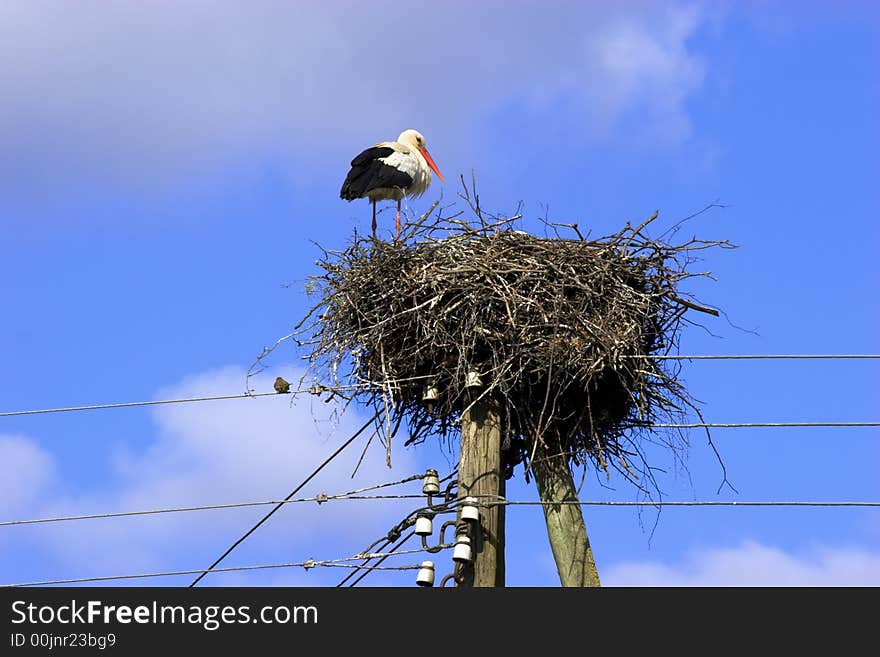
x: 389, y: 171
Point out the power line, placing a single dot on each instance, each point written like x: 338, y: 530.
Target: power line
x: 312, y: 390
x: 408, y: 521
x: 381, y: 556
x: 294, y: 492
x: 737, y: 425
x: 316, y: 389
x: 320, y: 499
x: 377, y: 565
x: 308, y: 564
x: 755, y: 357
x: 684, y: 503
x: 384, y: 540
x: 243, y: 395
x: 321, y: 388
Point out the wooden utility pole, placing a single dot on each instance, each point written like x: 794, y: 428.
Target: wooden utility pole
x: 565, y: 522
x: 480, y: 474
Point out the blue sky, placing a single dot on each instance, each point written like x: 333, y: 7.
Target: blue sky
x: 166, y: 168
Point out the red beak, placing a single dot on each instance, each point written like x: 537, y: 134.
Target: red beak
x: 430, y: 161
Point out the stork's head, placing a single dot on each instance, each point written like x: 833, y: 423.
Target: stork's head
x: 414, y: 139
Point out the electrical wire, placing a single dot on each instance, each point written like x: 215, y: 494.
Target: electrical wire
x: 365, y: 568
x: 154, y: 402
x: 447, y: 506
x: 294, y: 492
x: 320, y: 499
x: 682, y: 503
x: 738, y: 425
x: 377, y: 565
x: 753, y: 356
x: 308, y: 564
x: 312, y: 390
x: 318, y: 389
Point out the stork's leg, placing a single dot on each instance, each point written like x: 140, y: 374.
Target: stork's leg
x: 374, y: 218
x: 397, y: 224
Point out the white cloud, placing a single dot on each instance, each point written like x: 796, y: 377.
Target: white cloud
x: 207, y: 453
x: 753, y: 564
x: 26, y: 472
x: 143, y: 92
x: 650, y: 62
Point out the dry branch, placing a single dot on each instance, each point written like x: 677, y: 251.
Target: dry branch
x: 550, y: 324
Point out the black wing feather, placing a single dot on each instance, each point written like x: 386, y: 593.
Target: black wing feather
x: 368, y: 173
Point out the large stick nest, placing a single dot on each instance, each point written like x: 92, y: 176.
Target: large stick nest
x: 564, y: 333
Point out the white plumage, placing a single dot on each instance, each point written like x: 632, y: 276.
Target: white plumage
x: 410, y: 162
x: 391, y: 170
